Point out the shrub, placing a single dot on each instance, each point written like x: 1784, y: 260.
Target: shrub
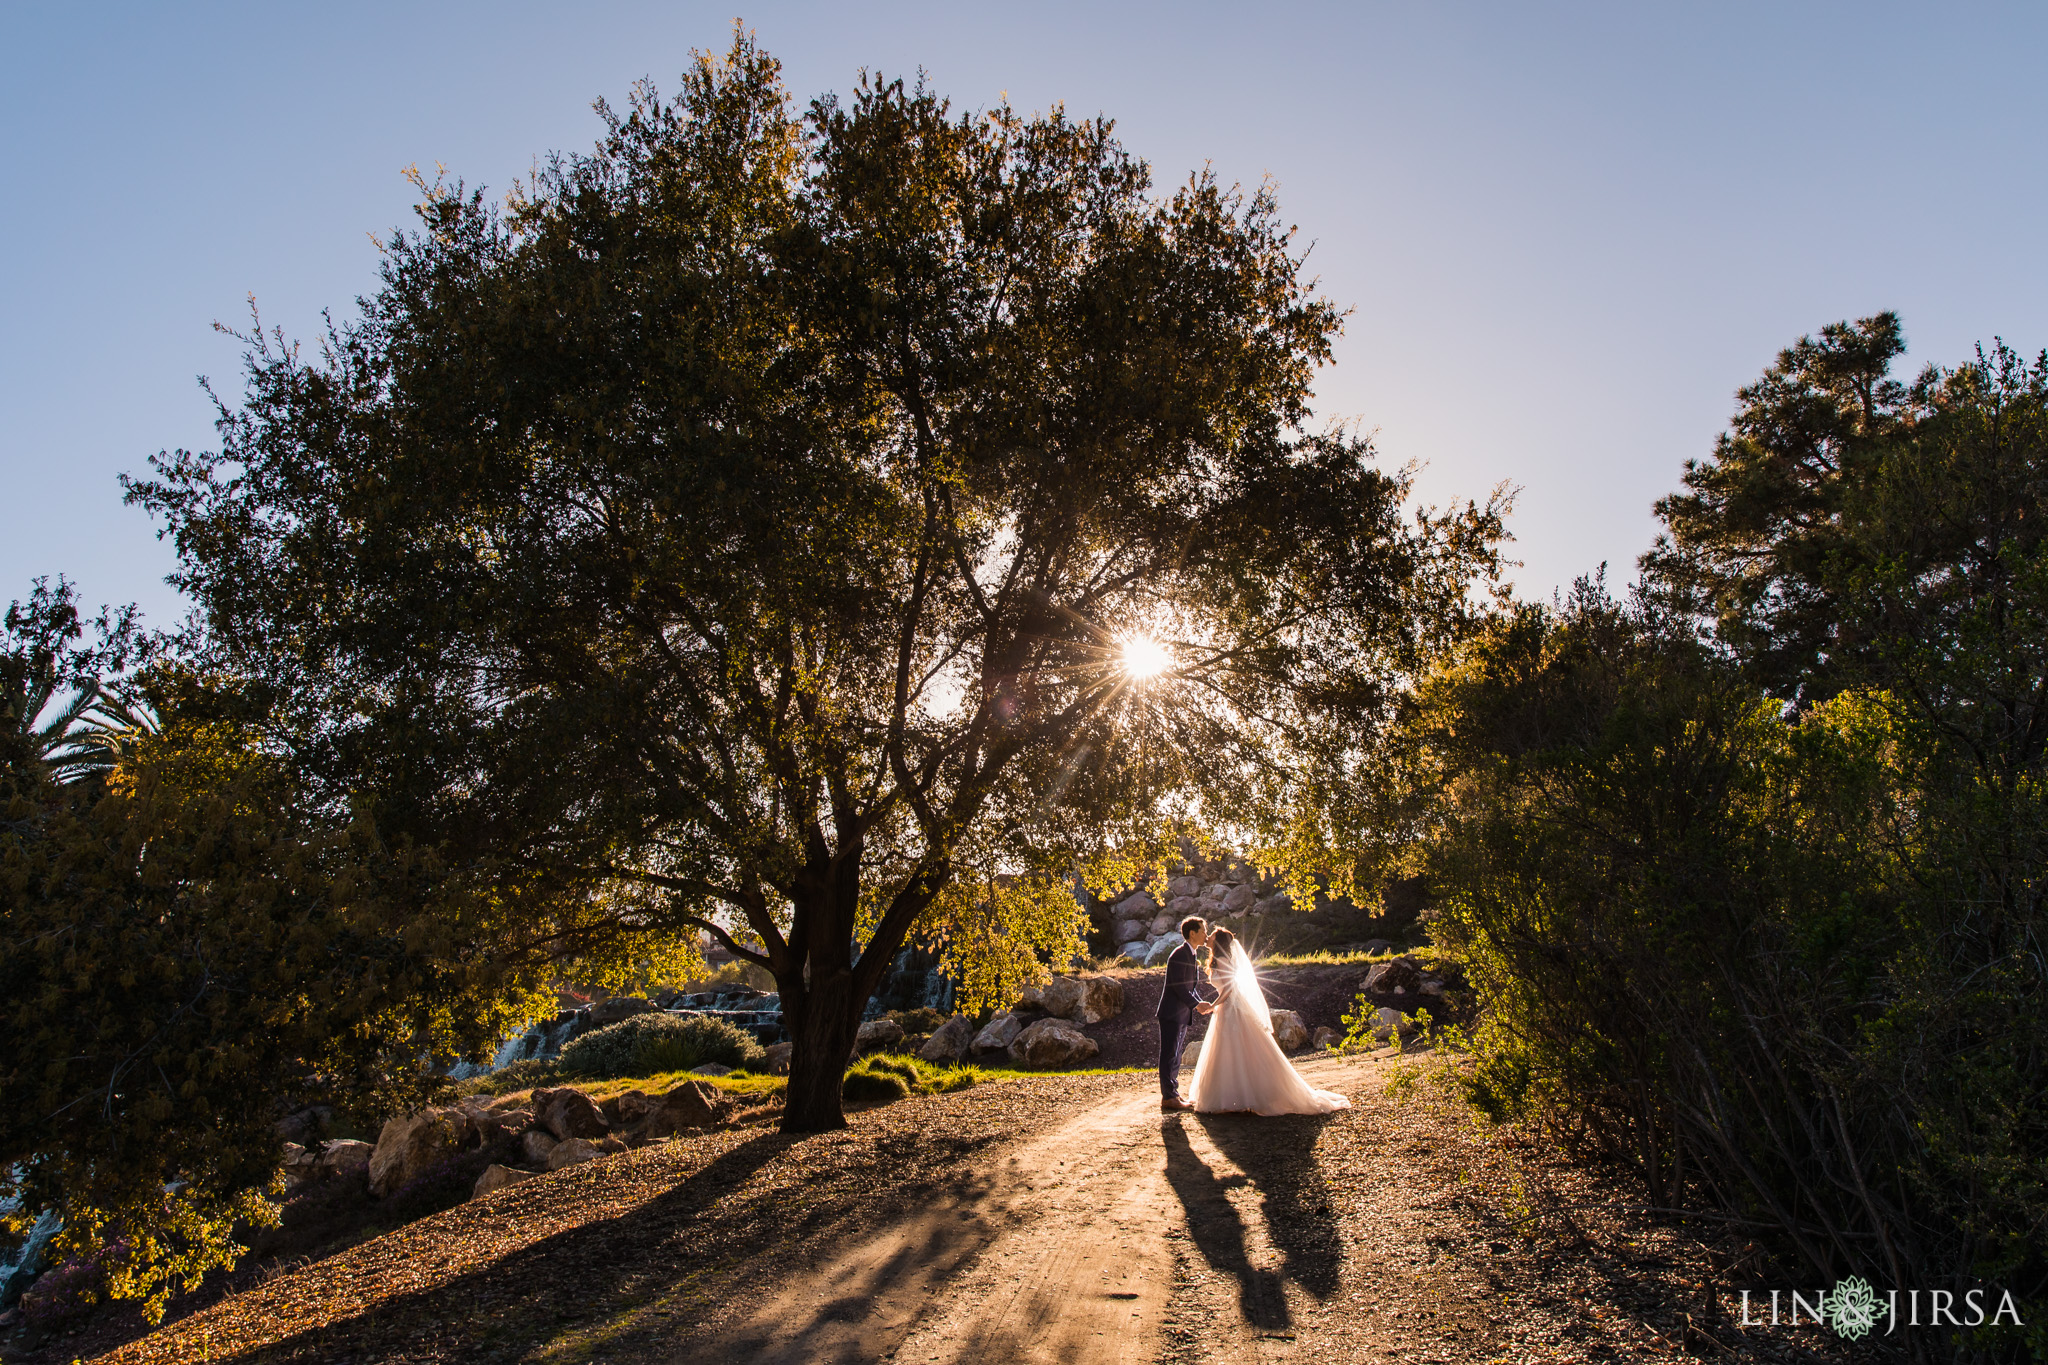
x: 527, y: 1074
x: 924, y: 1021
x: 886, y: 1076
x: 650, y: 1044
x: 867, y: 1083
x: 72, y: 1290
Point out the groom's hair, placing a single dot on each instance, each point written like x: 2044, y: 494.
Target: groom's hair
x: 1190, y: 924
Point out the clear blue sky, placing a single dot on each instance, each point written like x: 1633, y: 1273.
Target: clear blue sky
x: 1569, y: 232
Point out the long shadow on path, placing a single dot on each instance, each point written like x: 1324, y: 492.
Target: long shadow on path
x: 1278, y: 1160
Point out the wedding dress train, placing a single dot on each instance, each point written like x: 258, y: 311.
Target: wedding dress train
x: 1241, y: 1067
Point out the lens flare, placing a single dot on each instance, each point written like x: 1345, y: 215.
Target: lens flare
x: 1145, y: 657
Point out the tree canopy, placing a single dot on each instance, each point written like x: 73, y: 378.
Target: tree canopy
x: 739, y: 530
x: 1748, y: 868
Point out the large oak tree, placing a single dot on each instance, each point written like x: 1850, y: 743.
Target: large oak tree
x: 738, y: 532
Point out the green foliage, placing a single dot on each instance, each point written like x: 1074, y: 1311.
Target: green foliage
x: 885, y: 1076
x: 866, y: 1085
x: 1785, y: 958
x: 648, y: 1044
x: 191, y: 951
x: 918, y: 1020
x: 530, y: 1073
x: 1358, y: 1023
x: 66, y: 701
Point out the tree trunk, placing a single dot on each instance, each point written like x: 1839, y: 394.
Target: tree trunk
x: 822, y: 1030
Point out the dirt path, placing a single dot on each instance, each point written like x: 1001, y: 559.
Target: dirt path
x: 1065, y: 1251
x: 1046, y: 1219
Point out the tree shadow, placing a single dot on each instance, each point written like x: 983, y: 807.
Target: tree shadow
x: 605, y: 1276
x: 1278, y: 1160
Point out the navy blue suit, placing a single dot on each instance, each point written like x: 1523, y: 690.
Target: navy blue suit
x: 1176, y: 1015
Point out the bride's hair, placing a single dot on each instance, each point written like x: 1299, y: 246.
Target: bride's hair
x: 1219, y: 945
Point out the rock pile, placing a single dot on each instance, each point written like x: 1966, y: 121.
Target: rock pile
x: 1044, y: 1027
x: 559, y: 1127
x: 1147, y: 932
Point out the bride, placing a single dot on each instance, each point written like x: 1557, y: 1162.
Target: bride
x: 1241, y: 1067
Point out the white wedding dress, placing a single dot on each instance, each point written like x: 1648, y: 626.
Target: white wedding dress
x: 1241, y: 1067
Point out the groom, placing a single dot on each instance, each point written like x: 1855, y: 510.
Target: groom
x: 1179, y: 1003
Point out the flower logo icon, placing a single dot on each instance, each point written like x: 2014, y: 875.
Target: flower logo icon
x: 1852, y: 1307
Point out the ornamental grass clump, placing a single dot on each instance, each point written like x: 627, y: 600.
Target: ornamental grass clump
x: 886, y: 1077
x: 651, y: 1044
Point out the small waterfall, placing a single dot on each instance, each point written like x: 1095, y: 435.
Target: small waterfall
x: 18, y: 1270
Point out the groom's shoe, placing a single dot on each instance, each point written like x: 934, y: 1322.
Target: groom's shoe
x: 1175, y: 1105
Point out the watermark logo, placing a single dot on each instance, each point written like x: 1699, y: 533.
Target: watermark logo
x: 1853, y: 1309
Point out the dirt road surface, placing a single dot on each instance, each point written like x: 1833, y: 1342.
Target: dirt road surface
x: 1068, y: 1252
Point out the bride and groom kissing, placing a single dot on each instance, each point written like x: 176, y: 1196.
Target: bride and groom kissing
x: 1240, y: 1069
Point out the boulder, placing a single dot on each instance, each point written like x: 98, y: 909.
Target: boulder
x: 1180, y: 907
x: 537, y: 1143
x: 1390, y: 1024
x: 692, y: 1104
x: 1239, y: 899
x: 950, y: 1042
x: 1399, y: 977
x: 1135, y: 950
x: 306, y: 1126
x: 502, y: 1123
x: 1062, y: 997
x: 568, y: 1113
x: 1102, y: 997
x: 1137, y: 905
x: 1325, y: 1037
x: 341, y: 1156
x: 778, y: 1058
x: 619, y: 1008
x: 1213, y: 894
x: 998, y: 1033
x: 711, y: 1069
x: 1184, y: 886
x: 573, y: 1152
x: 1052, y: 1042
x: 1163, y: 949
x: 1126, y: 930
x: 407, y: 1146
x: 609, y: 1145
x: 1432, y: 986
x: 623, y: 1111
x: 1163, y: 923
x: 1373, y: 947
x: 1288, y: 1030
x: 1279, y: 903
x: 299, y: 1165
x: 1030, y: 997
x: 498, y: 1177
x: 878, y: 1033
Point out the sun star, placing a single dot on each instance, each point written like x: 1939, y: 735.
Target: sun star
x: 1145, y: 657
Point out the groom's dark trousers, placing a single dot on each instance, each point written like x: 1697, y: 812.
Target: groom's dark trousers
x: 1176, y: 1016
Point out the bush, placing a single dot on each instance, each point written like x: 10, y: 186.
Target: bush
x: 650, y: 1044
x: 890, y: 1077
x: 1770, y: 959
x: 925, y: 1021
x: 867, y: 1083
x: 527, y: 1074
